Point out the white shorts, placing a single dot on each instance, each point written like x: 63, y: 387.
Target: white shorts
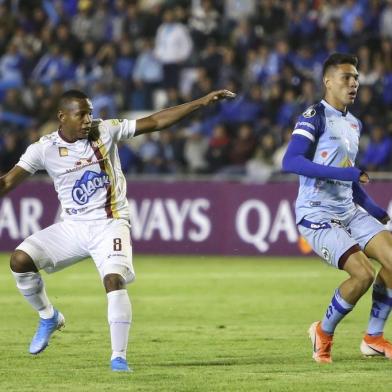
x: 107, y: 241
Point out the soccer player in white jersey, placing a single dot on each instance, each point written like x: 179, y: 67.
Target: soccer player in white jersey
x: 333, y: 212
x: 82, y: 159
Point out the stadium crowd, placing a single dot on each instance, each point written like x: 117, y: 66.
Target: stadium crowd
x: 137, y: 56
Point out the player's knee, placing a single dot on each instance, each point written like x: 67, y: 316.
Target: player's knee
x: 366, y: 277
x: 387, y: 264
x: 21, y: 262
x: 113, y: 282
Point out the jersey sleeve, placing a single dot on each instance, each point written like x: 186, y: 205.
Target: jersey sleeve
x: 309, y: 124
x: 33, y: 158
x: 120, y: 129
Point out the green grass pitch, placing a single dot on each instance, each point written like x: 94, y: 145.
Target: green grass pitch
x: 199, y: 324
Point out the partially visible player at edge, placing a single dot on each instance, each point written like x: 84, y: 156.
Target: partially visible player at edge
x: 82, y: 159
x: 322, y: 151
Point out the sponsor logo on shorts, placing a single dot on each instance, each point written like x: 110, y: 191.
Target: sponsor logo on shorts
x: 116, y: 255
x: 326, y: 254
x: 88, y: 185
x: 75, y: 211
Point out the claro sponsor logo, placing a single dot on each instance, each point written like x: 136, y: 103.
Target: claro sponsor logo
x: 86, y: 187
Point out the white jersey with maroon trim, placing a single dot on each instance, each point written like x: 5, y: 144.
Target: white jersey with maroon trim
x: 87, y: 175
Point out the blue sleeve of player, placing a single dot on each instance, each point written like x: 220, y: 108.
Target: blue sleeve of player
x: 310, y: 123
x: 361, y: 198
x: 307, y: 130
x: 295, y: 161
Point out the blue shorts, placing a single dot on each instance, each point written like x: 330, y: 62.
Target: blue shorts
x: 330, y: 238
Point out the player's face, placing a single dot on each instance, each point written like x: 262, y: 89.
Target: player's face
x: 341, y: 84
x: 75, y: 118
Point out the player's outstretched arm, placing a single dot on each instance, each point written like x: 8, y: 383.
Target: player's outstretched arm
x: 361, y: 198
x: 295, y: 161
x: 12, y: 179
x: 167, y: 117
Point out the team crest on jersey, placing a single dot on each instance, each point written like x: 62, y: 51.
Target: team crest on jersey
x: 310, y: 112
x: 86, y: 187
x: 116, y: 121
x: 63, y: 151
x: 346, y: 162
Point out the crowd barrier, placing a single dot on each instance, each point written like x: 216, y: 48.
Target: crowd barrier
x: 184, y: 217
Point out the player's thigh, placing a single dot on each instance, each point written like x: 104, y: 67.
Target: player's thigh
x: 364, y: 229
x: 359, y: 266
x: 56, y: 246
x: 331, y: 243
x: 379, y: 248
x: 111, y: 249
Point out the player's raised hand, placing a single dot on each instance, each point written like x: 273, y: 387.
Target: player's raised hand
x: 217, y: 96
x: 364, y: 178
x: 385, y: 219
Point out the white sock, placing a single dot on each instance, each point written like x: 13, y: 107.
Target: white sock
x: 31, y: 285
x: 119, y: 317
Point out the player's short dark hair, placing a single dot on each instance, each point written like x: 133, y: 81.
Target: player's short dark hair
x: 70, y: 95
x: 339, y: 58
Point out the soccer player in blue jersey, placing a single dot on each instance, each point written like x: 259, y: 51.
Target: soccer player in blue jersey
x: 340, y: 221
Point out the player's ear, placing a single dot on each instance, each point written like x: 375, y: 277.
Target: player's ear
x: 326, y: 80
x: 60, y: 116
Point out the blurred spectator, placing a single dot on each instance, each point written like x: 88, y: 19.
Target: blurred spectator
x: 10, y: 68
x: 89, y: 69
x: 173, y: 46
x: 128, y: 159
x: 367, y: 107
x: 268, y: 12
x: 246, y: 108
x: 269, y: 52
x: 11, y: 151
x: 242, y: 148
x: 351, y: 11
x: 203, y: 23
x: 377, y: 155
x: 236, y: 10
x: 217, y: 154
x: 82, y: 22
x: 168, y: 149
x: 386, y: 21
x: 195, y: 149
x: 150, y: 155
x: 261, y: 165
x: 147, y: 76
x: 103, y: 101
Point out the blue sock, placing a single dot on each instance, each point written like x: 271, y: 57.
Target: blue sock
x: 381, y: 307
x: 336, y: 310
